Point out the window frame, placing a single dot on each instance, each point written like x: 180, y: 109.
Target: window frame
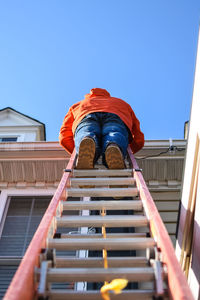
x: 29, y: 216
x: 5, y: 197
x: 4, y: 215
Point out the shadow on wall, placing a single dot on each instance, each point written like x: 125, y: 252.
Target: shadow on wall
x: 188, y: 240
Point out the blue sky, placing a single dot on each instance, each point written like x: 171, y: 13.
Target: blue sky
x: 143, y: 51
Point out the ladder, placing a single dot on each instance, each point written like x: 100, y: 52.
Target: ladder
x: 109, y: 245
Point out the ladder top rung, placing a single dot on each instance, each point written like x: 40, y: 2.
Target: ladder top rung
x: 102, y: 172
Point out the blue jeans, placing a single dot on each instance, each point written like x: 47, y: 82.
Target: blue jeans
x: 105, y: 128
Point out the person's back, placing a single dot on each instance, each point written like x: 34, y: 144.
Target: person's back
x: 101, y: 125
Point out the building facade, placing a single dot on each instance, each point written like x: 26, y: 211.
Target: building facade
x: 187, y: 246
x: 31, y: 168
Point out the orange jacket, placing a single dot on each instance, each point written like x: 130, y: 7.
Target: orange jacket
x: 99, y: 100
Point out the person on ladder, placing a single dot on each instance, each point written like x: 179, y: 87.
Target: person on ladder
x: 101, y: 125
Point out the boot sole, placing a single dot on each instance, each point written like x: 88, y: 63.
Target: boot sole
x: 86, y: 154
x: 114, y: 158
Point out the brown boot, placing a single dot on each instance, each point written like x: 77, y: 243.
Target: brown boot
x: 114, y: 158
x: 86, y: 154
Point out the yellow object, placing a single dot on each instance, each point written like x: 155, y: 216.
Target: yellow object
x: 103, y: 213
x: 115, y: 285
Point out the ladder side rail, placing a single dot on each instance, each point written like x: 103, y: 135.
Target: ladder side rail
x: 23, y: 283
x: 178, y: 285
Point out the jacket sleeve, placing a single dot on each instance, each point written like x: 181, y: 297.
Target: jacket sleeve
x: 138, y: 137
x: 66, y: 137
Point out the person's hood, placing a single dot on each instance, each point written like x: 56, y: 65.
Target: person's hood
x: 98, y: 92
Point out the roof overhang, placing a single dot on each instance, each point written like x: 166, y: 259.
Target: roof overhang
x: 33, y: 162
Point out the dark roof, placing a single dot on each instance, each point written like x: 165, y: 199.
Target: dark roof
x: 26, y: 117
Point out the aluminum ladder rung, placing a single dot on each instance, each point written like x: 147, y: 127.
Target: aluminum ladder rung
x: 95, y: 205
x: 96, y: 295
x: 99, y: 221
x: 98, y: 274
x: 100, y: 244
x: 97, y: 262
x: 102, y: 173
x: 102, y: 192
x: 99, y: 235
x: 102, y: 181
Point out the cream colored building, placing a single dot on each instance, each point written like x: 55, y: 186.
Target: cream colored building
x: 30, y: 170
x: 188, y: 243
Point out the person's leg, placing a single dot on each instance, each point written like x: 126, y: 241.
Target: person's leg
x: 114, y: 141
x: 87, y: 141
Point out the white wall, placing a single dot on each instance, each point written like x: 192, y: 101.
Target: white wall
x: 191, y: 185
x: 14, y: 124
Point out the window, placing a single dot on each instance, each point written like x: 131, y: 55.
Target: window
x: 22, y: 217
x: 22, y: 220
x: 8, y: 139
